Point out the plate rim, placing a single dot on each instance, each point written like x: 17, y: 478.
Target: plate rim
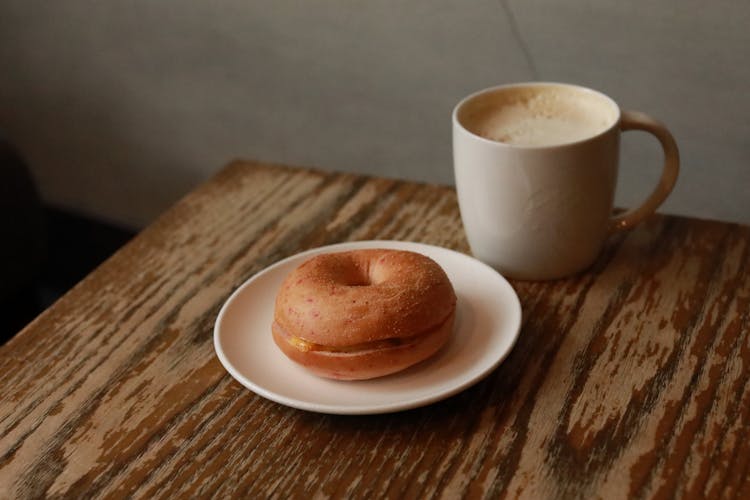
x: 380, y: 408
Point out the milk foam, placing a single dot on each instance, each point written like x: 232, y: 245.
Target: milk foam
x: 543, y: 116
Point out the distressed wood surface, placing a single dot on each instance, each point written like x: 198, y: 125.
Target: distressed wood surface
x: 629, y: 380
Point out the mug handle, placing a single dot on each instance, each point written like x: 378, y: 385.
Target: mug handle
x: 635, y: 120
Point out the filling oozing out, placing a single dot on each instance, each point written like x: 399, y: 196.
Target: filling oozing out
x: 305, y: 346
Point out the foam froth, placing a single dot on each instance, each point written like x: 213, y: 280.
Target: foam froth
x: 538, y: 115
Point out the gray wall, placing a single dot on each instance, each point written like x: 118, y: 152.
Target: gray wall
x: 122, y: 107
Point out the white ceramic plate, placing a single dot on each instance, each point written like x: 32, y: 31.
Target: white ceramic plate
x: 488, y: 321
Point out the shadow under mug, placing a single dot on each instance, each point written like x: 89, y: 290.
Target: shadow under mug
x: 543, y: 211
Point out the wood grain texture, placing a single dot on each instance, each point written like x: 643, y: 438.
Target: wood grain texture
x: 629, y: 380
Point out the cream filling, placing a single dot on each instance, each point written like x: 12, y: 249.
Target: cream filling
x: 306, y: 346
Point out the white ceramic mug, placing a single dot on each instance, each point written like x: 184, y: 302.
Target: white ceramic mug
x: 536, y: 168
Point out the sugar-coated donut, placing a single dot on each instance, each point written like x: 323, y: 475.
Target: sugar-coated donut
x: 364, y: 313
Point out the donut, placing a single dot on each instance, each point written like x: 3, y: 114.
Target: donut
x: 363, y: 314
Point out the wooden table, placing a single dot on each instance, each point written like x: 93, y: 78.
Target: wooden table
x: 630, y: 380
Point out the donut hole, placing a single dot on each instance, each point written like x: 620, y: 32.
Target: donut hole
x: 358, y: 280
x: 357, y: 274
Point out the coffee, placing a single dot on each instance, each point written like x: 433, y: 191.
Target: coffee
x: 536, y: 198
x: 539, y: 116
